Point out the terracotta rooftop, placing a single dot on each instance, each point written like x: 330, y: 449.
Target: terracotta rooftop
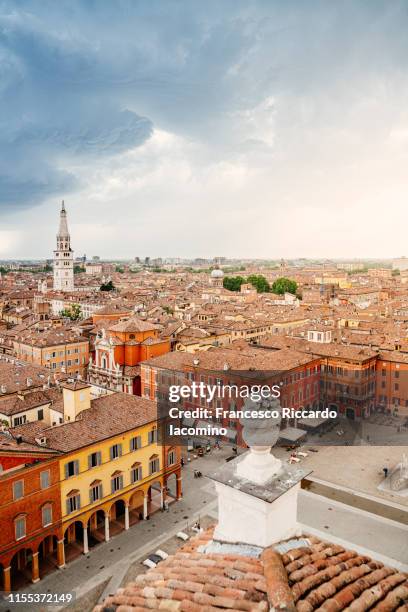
x: 109, y: 415
x: 15, y: 404
x: 14, y: 375
x: 303, y: 574
x: 133, y: 324
x: 248, y: 358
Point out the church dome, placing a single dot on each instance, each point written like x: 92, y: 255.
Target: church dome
x: 217, y: 273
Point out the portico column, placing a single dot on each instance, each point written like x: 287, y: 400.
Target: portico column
x: 60, y: 554
x: 86, y: 549
x: 35, y: 570
x: 106, y: 527
x: 161, y: 498
x: 179, y: 492
x: 126, y: 517
x: 7, y: 579
x: 145, y: 507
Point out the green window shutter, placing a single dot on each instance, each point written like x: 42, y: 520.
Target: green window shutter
x: 76, y: 467
x: 99, y: 457
x: 68, y: 506
x: 66, y: 470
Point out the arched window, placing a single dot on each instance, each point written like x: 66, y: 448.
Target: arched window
x: 95, y: 491
x: 136, y: 472
x: 154, y: 464
x: 73, y: 501
x: 46, y: 514
x: 116, y: 481
x: 20, y: 526
x: 171, y: 457
x: 104, y: 362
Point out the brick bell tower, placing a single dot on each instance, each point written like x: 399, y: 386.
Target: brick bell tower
x: 63, y: 256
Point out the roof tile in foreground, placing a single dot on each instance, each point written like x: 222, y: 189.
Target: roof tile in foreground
x: 320, y: 576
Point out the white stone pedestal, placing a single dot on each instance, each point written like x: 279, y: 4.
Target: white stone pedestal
x: 257, y: 499
x: 248, y: 519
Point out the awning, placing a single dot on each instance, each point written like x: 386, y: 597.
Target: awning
x: 313, y: 423
x: 188, y: 421
x: 231, y: 435
x: 292, y: 434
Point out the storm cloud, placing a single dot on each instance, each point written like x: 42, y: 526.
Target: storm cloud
x: 243, y: 114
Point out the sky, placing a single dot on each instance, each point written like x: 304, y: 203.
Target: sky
x: 227, y: 128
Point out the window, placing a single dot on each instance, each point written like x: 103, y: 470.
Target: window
x: 71, y: 468
x: 116, y: 482
x: 135, y: 443
x: 20, y: 420
x: 115, y: 451
x: 40, y: 414
x: 18, y: 489
x: 73, y: 501
x: 154, y: 464
x: 136, y: 473
x: 20, y: 527
x: 171, y: 458
x: 46, y: 513
x: 45, y: 479
x: 95, y: 491
x: 152, y: 437
x: 94, y: 459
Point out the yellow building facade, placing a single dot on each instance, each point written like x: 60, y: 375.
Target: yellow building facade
x: 109, y: 482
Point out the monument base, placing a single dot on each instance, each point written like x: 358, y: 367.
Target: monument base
x: 257, y: 514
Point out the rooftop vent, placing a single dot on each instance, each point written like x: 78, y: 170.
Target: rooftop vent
x: 41, y: 441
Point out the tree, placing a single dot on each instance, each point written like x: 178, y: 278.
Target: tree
x: 78, y: 269
x: 107, y: 286
x: 259, y: 282
x: 233, y: 283
x: 73, y: 312
x: 284, y: 285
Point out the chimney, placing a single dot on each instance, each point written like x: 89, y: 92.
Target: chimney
x: 257, y: 493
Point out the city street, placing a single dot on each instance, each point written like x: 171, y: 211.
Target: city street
x: 110, y: 561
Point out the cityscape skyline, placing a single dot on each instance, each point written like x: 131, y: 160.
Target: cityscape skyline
x: 204, y: 305
x: 209, y: 130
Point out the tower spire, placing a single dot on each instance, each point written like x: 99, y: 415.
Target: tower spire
x: 63, y: 225
x: 63, y: 256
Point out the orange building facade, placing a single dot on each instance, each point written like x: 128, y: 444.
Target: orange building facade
x: 31, y: 541
x: 119, y: 351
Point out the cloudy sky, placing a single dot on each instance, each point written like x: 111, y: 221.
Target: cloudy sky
x: 190, y: 128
